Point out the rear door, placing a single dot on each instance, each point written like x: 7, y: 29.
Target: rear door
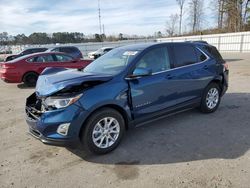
x: 63, y: 60
x: 192, y: 71
x: 40, y: 62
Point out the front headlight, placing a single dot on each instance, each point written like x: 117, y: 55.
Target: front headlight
x: 61, y: 102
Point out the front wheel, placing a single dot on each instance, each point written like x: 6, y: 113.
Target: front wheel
x: 211, y: 98
x: 103, y: 132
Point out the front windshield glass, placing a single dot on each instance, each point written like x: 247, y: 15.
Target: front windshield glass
x: 100, y: 50
x: 112, y: 62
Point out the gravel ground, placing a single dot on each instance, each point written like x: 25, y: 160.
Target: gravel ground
x: 185, y: 150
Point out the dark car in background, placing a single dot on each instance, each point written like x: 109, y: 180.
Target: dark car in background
x: 27, y: 68
x: 127, y: 86
x: 71, y: 50
x: 25, y: 52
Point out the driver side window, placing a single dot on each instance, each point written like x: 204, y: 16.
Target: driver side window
x: 156, y: 59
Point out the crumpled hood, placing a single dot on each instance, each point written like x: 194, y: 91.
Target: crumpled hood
x: 53, y: 80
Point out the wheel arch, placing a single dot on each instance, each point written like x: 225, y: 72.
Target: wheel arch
x: 113, y: 106
x: 218, y: 80
x: 29, y: 72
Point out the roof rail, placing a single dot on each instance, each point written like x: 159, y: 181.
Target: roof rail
x: 198, y: 41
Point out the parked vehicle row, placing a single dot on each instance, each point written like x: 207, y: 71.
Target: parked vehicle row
x: 27, y: 68
x: 126, y: 87
x: 25, y: 52
x: 71, y: 50
x: 27, y: 65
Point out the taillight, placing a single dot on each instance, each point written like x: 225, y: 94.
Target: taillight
x: 4, y: 66
x: 226, y: 67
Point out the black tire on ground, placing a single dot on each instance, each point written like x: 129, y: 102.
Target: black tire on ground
x: 87, y: 137
x: 30, y: 79
x: 204, y: 106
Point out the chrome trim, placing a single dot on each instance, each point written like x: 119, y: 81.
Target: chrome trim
x: 207, y: 58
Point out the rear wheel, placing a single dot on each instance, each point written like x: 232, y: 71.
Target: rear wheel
x: 103, y: 131
x: 30, y: 79
x: 211, y: 98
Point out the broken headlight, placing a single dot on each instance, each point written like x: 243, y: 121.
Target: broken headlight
x: 61, y: 102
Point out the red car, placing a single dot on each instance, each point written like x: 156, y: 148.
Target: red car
x: 27, y: 68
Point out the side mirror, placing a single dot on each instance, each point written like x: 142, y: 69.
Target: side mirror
x: 140, y: 72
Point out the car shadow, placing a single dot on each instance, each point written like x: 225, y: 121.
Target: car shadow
x: 185, y: 137
x: 232, y: 60
x: 23, y: 86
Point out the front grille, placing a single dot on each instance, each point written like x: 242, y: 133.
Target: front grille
x: 33, y: 113
x: 33, y: 107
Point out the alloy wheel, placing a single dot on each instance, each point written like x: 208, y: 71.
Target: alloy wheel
x: 106, y: 132
x: 212, y: 98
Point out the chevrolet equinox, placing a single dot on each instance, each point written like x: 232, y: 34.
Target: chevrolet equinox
x: 126, y: 87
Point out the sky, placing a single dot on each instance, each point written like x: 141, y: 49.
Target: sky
x: 141, y: 17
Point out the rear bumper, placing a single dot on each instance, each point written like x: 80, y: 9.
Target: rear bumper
x: 10, y: 78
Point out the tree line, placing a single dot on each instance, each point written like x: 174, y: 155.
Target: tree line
x: 230, y: 16
x: 60, y: 37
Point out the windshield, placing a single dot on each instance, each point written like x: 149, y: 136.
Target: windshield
x: 112, y: 62
x: 99, y: 51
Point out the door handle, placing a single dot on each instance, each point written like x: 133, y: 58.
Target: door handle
x: 169, y: 77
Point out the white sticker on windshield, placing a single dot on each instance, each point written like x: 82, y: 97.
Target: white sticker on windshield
x: 129, y: 53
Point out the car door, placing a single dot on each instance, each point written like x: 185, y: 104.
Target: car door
x: 154, y: 93
x: 63, y: 60
x: 192, y: 72
x: 40, y: 62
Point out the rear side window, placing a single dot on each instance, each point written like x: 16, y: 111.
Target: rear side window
x: 55, y: 50
x: 68, y: 50
x: 200, y: 56
x: 26, y: 52
x: 185, y: 54
x: 30, y: 60
x: 107, y: 49
x: 214, y: 53
x: 44, y: 59
x: 38, y: 50
x: 63, y: 58
x: 156, y: 59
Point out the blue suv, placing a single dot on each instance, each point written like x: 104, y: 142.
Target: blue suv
x: 126, y: 87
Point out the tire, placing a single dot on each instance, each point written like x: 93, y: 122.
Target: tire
x: 211, y: 98
x: 30, y: 79
x: 104, y: 140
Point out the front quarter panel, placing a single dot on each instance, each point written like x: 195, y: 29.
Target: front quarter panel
x: 115, y: 93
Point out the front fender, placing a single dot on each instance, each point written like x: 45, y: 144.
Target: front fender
x: 116, y: 96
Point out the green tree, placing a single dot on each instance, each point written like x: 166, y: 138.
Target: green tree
x: 21, y: 39
x: 98, y: 38
x: 4, y: 38
x: 39, y: 38
x: 120, y: 36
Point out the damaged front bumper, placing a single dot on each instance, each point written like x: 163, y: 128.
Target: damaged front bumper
x: 43, y: 125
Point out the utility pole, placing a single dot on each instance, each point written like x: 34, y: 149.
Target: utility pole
x: 99, y: 13
x: 103, y: 29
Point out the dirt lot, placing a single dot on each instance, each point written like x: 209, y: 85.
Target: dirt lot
x: 186, y: 150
